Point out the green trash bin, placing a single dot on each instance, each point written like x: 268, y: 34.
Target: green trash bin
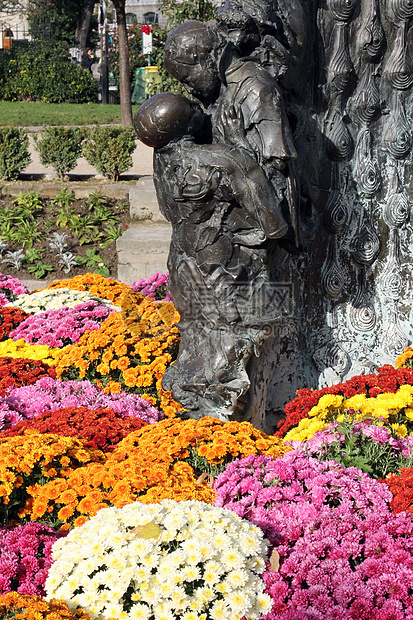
x: 144, y: 78
x: 139, y: 92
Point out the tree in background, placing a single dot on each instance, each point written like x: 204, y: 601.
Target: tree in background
x: 124, y: 69
x: 61, y: 20
x: 136, y: 58
x: 11, y: 6
x: 84, y: 23
x: 178, y: 12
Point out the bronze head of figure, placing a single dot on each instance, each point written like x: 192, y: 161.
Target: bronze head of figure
x: 191, y: 56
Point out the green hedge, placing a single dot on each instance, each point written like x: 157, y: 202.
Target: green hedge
x: 14, y: 152
x: 109, y: 150
x: 41, y: 71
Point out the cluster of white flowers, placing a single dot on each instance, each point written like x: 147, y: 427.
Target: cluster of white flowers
x: 53, y: 299
x: 186, y: 560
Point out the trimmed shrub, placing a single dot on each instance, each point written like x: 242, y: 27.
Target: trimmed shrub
x: 109, y: 150
x: 42, y: 71
x: 14, y: 152
x: 60, y: 147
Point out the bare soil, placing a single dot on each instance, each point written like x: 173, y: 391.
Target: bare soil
x: 47, y: 226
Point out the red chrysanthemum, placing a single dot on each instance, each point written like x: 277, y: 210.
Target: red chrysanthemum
x: 10, y: 318
x: 15, y: 372
x: 103, y: 428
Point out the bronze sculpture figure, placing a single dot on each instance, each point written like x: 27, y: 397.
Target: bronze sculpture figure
x: 223, y: 210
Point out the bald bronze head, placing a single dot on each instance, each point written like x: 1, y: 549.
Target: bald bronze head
x: 191, y: 56
x: 167, y: 117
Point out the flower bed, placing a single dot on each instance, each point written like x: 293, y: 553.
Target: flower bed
x: 17, y: 372
x: 401, y: 487
x: 25, y: 557
x: 29, y: 461
x: 387, y: 394
x: 85, y: 446
x: 59, y: 328
x: 10, y: 318
x: 49, y: 394
x: 24, y: 607
x: 115, y: 358
x: 366, y: 444
x: 100, y: 428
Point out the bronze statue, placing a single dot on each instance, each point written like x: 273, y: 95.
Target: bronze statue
x: 223, y: 210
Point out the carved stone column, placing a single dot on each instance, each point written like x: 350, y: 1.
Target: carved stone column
x: 353, y: 134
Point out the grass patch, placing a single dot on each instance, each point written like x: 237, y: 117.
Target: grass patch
x: 36, y: 113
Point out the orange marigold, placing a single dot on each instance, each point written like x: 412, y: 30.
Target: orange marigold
x: 27, y: 461
x: 114, y: 483
x: 207, y: 444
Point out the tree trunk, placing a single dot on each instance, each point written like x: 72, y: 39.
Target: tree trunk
x: 84, y: 21
x: 124, y: 75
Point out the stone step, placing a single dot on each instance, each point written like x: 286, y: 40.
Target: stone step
x: 143, y: 201
x: 143, y: 250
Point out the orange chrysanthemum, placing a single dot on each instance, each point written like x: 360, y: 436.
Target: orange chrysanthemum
x: 131, y: 352
x: 26, y: 607
x: 96, y: 285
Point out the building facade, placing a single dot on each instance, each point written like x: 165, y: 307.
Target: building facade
x: 144, y: 12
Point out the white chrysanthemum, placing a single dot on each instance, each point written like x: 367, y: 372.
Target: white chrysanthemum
x: 237, y: 578
x: 232, y: 559
x: 53, y: 299
x: 220, y: 611
x: 238, y: 601
x: 140, y: 612
x: 159, y: 561
x: 262, y: 604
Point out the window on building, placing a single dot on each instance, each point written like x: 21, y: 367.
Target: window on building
x: 150, y: 18
x: 131, y: 19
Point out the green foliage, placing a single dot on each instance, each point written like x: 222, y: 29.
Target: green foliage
x: 42, y: 71
x: 35, y: 264
x: 94, y: 262
x: 63, y: 199
x: 18, y: 224
x: 178, y: 12
x: 40, y: 269
x: 53, y: 19
x: 60, y: 147
x: 28, y: 205
x: 354, y: 449
x: 109, y: 150
x: 14, y: 152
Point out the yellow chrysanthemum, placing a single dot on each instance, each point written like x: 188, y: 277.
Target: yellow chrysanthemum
x: 21, y: 349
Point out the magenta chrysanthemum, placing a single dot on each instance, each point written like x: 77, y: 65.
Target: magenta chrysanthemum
x: 58, y: 328
x: 27, y: 402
